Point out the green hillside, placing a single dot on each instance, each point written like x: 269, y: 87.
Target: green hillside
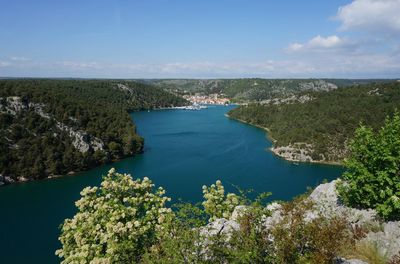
x: 253, y: 89
x: 324, y: 124
x: 52, y: 127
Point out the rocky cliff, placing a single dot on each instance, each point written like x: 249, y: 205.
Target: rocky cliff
x: 385, y: 236
x: 81, y: 140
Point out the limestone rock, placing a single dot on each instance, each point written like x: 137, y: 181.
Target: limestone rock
x: 238, y: 212
x: 295, y: 152
x: 80, y: 139
x: 350, y: 261
x: 276, y: 216
x: 220, y: 226
x: 328, y: 204
x: 387, y: 241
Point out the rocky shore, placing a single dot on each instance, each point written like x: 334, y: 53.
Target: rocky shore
x: 297, y: 152
x: 385, y: 236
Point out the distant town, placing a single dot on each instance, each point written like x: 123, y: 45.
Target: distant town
x: 216, y: 99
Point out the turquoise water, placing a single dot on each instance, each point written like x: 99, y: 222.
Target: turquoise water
x: 183, y: 151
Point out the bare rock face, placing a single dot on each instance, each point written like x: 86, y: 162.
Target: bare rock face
x: 288, y: 100
x: 275, y: 218
x: 325, y: 203
x: 80, y: 139
x: 296, y: 152
x: 220, y: 226
x: 328, y: 204
x: 238, y: 212
x: 349, y: 261
x: 12, y: 105
x: 388, y: 240
x: 123, y: 87
x: 318, y: 85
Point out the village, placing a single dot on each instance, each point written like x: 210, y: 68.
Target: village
x: 214, y: 99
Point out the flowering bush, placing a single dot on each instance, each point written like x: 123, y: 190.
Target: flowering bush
x: 217, y: 204
x: 116, y: 222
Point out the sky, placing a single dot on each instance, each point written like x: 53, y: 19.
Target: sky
x: 200, y: 38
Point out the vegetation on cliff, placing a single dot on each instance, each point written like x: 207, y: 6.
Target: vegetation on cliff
x: 372, y: 179
x: 327, y: 121
x: 253, y: 89
x: 127, y: 220
x: 52, y: 127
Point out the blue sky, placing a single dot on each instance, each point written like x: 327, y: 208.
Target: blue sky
x: 200, y: 39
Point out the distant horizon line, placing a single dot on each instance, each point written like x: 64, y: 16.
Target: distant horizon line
x: 198, y: 78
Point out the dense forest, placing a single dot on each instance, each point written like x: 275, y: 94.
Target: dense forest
x: 53, y: 127
x: 254, y: 89
x: 327, y: 120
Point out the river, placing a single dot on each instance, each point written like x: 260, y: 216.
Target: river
x: 183, y: 150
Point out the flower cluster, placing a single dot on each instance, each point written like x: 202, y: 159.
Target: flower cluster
x: 115, y: 222
x: 216, y: 203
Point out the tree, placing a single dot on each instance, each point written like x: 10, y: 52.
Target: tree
x: 372, y: 179
x: 115, y: 223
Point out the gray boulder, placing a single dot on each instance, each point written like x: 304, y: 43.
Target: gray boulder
x: 220, y: 226
x: 387, y: 241
x: 350, y: 261
x: 238, y: 212
x: 328, y: 204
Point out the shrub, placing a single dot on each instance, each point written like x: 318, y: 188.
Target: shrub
x: 115, y: 223
x: 300, y: 238
x: 126, y: 221
x: 368, y: 252
x: 294, y: 239
x: 217, y: 204
x: 372, y: 179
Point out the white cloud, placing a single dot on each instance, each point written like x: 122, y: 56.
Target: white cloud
x: 319, y: 43
x: 78, y: 65
x: 22, y: 59
x: 375, y: 54
x: 324, y: 65
x: 295, y: 47
x: 4, y: 64
x: 382, y: 16
x: 328, y: 42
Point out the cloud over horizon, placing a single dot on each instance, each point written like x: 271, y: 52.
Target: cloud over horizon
x: 364, y: 44
x: 377, y: 16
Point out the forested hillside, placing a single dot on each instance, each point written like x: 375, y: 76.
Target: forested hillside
x: 319, y: 128
x: 53, y: 127
x: 254, y: 89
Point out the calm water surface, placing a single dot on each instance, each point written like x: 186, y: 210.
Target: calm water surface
x: 183, y: 151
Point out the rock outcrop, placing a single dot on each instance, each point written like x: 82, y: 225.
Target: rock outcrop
x: 318, y: 85
x: 328, y: 204
x: 296, y: 152
x: 325, y: 201
x: 80, y: 139
x: 288, y: 100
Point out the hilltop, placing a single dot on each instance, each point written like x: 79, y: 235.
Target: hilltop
x: 253, y: 89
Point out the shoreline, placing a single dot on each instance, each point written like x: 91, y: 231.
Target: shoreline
x: 77, y: 172
x: 268, y: 135
x: 183, y: 107
x: 68, y: 174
